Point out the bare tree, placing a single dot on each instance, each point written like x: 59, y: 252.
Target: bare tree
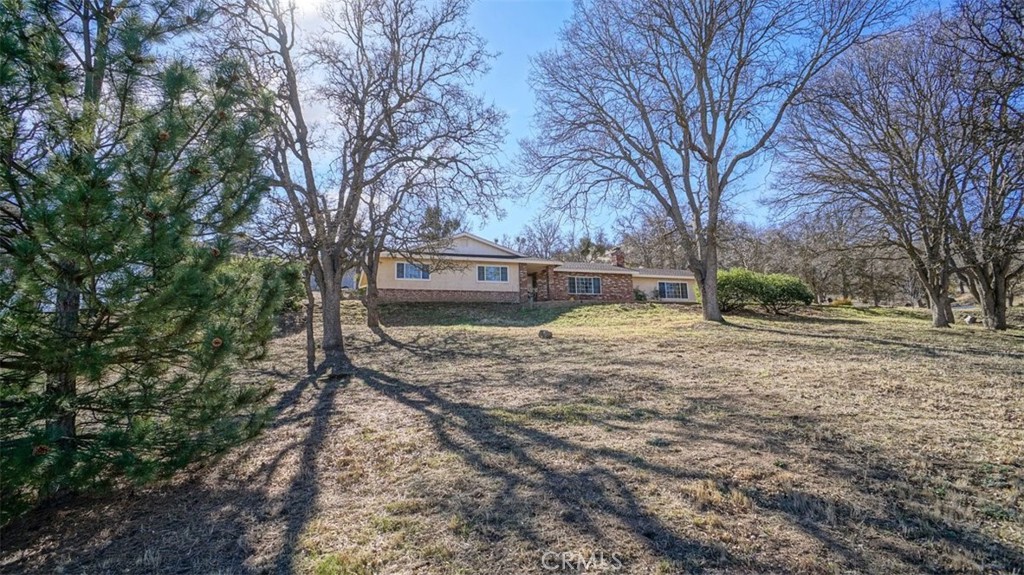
x: 393, y: 75
x: 672, y: 100
x: 541, y: 237
x: 408, y: 213
x: 908, y: 129
x: 868, y: 137
x: 987, y: 228
x: 647, y: 237
x: 996, y: 28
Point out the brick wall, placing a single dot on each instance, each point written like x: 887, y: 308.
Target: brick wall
x: 542, y: 283
x: 423, y: 295
x: 543, y: 278
x: 614, y: 287
x: 524, y: 284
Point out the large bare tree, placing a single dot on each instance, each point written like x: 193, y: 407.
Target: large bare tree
x: 673, y: 100
x: 867, y: 137
x: 912, y: 129
x: 391, y: 78
x: 987, y: 228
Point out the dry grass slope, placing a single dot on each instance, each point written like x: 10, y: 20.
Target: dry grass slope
x: 834, y: 441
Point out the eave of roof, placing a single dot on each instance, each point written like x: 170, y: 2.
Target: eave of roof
x: 664, y: 273
x: 594, y: 269
x: 470, y: 257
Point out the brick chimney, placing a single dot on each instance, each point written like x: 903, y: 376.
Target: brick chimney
x: 618, y: 257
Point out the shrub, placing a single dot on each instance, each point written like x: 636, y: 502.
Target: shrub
x: 736, y: 289
x: 776, y: 293
x: 639, y: 295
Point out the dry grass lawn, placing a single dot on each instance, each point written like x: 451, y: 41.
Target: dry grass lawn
x: 833, y: 441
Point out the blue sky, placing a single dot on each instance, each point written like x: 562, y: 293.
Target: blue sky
x: 517, y: 30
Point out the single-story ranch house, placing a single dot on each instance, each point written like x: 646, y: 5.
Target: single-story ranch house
x: 472, y: 269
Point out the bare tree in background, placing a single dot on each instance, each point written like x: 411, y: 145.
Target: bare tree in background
x: 541, y: 237
x: 987, y: 227
x: 648, y: 237
x: 866, y: 138
x: 409, y: 214
x: 672, y: 100
x: 392, y: 75
x: 906, y: 129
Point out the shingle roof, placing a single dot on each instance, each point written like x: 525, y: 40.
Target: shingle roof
x: 593, y: 267
x: 663, y: 273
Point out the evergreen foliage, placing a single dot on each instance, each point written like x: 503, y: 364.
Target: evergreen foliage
x: 776, y: 293
x: 125, y: 173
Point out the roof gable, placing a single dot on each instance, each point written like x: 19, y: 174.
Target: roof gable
x: 468, y: 244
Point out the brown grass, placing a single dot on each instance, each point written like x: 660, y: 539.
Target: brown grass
x: 834, y: 441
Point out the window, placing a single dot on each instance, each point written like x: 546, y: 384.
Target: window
x: 584, y: 286
x: 672, y: 290
x: 407, y: 271
x: 492, y: 273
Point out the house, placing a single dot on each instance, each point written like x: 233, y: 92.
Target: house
x: 472, y: 269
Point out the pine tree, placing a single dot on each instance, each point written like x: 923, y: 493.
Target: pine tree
x: 125, y: 173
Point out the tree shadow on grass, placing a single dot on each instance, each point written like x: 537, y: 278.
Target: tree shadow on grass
x: 299, y: 502
x: 191, y: 526
x: 872, y: 513
x: 931, y: 351
x: 796, y: 317
x: 184, y: 529
x: 424, y: 346
x: 876, y: 514
x: 522, y: 458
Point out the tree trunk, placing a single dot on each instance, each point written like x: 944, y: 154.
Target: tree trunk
x: 939, y: 304
x: 371, y: 301
x: 993, y: 301
x: 708, y: 278
x: 310, y: 339
x: 61, y: 377
x: 330, y: 291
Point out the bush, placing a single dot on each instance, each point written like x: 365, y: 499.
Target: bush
x: 736, y: 288
x: 639, y: 295
x: 776, y: 293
